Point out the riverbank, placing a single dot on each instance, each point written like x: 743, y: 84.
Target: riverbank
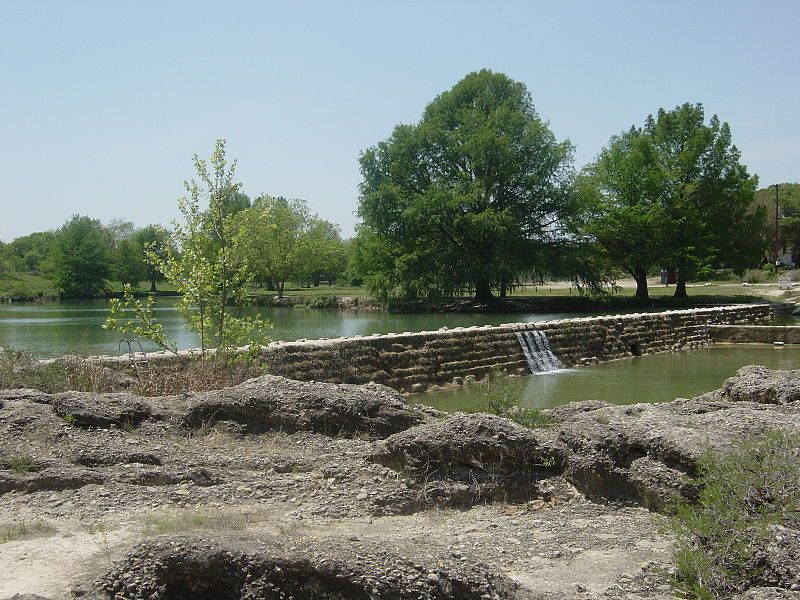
x: 119, y: 496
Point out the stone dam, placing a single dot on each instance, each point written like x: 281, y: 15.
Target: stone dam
x: 415, y: 361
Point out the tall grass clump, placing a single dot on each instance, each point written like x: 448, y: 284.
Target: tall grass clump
x: 503, y: 400
x: 744, y: 495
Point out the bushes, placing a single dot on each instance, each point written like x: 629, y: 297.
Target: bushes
x: 69, y: 373
x: 501, y: 400
x: 78, y: 374
x: 720, y: 540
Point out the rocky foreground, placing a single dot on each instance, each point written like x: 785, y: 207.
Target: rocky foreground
x: 281, y: 489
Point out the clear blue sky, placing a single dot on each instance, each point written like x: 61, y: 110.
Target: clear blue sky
x: 103, y: 103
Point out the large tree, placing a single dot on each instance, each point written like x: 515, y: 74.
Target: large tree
x: 673, y: 193
x: 711, y: 220
x: 271, y: 238
x: 788, y: 219
x: 625, y: 192
x: 469, y: 197
x: 80, y: 257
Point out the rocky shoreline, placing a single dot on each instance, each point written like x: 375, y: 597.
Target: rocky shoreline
x: 284, y: 489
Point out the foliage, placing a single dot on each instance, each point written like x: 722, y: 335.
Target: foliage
x: 744, y: 493
x: 80, y: 257
x: 270, y: 238
x: 140, y: 319
x: 20, y: 465
x: 470, y: 196
x: 788, y: 200
x: 128, y: 266
x: 324, y: 251
x: 280, y: 239
x: 502, y: 400
x: 204, y: 268
x: 130, y: 263
x: 673, y: 193
x: 625, y: 192
x: 69, y: 373
x: 28, y: 252
x: 153, y: 240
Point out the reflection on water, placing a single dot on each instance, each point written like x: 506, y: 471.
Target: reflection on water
x: 53, y: 328
x: 655, y: 378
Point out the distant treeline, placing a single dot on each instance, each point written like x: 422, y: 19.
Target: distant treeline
x: 476, y: 198
x: 287, y: 241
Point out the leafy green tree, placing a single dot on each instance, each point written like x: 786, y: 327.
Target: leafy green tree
x: 29, y: 252
x: 128, y: 265
x: 80, y: 258
x: 201, y: 263
x: 710, y: 216
x: 271, y: 238
x: 5, y: 261
x: 235, y: 203
x: 788, y: 199
x: 324, y: 252
x: 153, y: 239
x: 625, y: 193
x: 673, y: 193
x: 470, y: 196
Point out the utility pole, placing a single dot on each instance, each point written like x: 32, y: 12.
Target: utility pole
x: 777, y: 242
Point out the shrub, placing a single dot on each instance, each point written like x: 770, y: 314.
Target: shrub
x: 197, y: 374
x: 743, y: 494
x: 69, y: 373
x: 754, y: 276
x: 20, y: 464
x: 502, y: 400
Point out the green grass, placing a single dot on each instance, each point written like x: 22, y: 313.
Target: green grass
x: 23, y: 531
x: 322, y: 290
x: 20, y: 465
x: 206, y: 521
x: 26, y: 286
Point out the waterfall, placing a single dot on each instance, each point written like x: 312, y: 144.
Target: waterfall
x: 537, y: 351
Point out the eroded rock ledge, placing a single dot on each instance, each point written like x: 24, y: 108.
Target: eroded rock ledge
x: 356, y: 452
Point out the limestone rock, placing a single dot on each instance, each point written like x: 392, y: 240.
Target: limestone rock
x: 755, y: 383
x: 276, y: 403
x: 85, y: 409
x: 476, y: 449
x: 202, y: 568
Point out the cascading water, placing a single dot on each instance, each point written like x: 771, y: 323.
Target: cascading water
x: 537, y: 351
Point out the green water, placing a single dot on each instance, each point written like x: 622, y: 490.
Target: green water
x: 654, y: 378
x: 54, y: 328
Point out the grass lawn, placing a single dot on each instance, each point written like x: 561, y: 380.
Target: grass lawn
x: 322, y: 290
x: 26, y: 285
x: 30, y: 286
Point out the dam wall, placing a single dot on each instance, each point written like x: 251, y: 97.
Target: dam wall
x: 755, y: 334
x: 414, y: 361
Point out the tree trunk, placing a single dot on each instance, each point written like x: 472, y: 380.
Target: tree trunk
x: 483, y: 292
x: 153, y: 289
x: 270, y: 284
x: 640, y: 276
x: 316, y: 277
x: 680, y: 287
x: 503, y: 289
x: 280, y: 289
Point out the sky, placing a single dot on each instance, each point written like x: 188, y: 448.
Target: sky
x: 104, y: 103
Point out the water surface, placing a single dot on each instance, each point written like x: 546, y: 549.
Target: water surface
x: 653, y: 378
x: 54, y: 328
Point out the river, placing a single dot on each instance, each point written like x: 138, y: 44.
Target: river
x: 53, y: 328
x: 654, y: 378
